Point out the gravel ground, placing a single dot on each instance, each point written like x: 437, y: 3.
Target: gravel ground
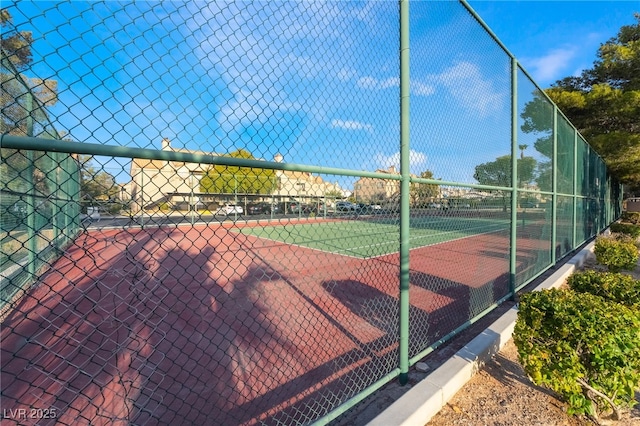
x: 501, y: 394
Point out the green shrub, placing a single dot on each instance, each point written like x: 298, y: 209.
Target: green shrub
x: 580, y: 345
x: 626, y: 228
x: 616, y: 253
x: 611, y: 286
x: 631, y: 217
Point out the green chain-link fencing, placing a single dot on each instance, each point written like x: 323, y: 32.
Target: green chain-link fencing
x: 39, y: 189
x: 262, y: 212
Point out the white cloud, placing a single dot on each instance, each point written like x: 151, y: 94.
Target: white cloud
x: 372, y: 83
x: 367, y: 14
x: 255, y: 58
x: 277, y: 60
x: 551, y: 66
x: 422, y: 89
x: 350, y: 125
x: 376, y: 84
x: 467, y: 85
x: 416, y: 159
x: 346, y: 74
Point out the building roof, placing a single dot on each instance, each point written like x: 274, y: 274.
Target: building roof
x: 141, y: 163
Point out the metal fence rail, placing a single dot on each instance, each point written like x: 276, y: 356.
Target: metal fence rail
x: 262, y: 212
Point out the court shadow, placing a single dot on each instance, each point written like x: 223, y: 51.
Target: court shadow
x: 449, y: 305
x: 159, y: 326
x: 146, y: 331
x: 222, y: 348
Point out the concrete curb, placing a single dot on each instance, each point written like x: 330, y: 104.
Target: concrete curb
x: 423, y: 401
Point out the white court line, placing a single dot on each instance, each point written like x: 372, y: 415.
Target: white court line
x: 440, y: 242
x: 305, y: 247
x: 344, y: 252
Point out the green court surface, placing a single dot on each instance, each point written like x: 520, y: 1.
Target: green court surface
x: 371, y: 238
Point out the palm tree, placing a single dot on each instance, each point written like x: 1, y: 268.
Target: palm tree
x: 522, y: 148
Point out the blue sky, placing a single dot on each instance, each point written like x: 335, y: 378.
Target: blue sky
x: 314, y: 81
x: 555, y: 39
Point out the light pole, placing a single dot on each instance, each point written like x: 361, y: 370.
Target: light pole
x: 191, y: 206
x: 235, y: 197
x: 142, y: 197
x: 273, y: 190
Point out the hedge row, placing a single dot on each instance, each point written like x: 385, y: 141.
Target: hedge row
x: 626, y: 228
x: 632, y: 217
x: 584, y: 342
x: 582, y: 347
x: 616, y: 252
x: 615, y: 287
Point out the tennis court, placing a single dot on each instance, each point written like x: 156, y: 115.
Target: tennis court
x: 172, y: 312
x: 372, y: 237
x: 239, y: 323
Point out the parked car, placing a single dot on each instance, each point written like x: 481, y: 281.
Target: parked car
x: 93, y: 213
x: 230, y: 209
x: 346, y: 206
x: 258, y: 208
x: 321, y: 207
x: 293, y: 206
x: 529, y: 204
x: 369, y: 208
x: 263, y: 208
x: 298, y: 207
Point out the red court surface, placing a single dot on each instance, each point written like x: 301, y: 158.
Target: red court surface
x: 203, y: 325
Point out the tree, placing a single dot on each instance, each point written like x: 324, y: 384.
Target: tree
x: 22, y: 97
x: 498, y: 173
x: 95, y: 185
x: 334, y: 193
x: 538, y: 119
x: 17, y: 46
x: 234, y: 179
x: 604, y: 104
x: 522, y: 149
x: 423, y: 192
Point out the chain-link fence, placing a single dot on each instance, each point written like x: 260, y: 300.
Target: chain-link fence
x: 229, y: 213
x: 39, y: 189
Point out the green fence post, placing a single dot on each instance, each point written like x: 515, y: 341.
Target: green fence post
x: 31, y: 210
x: 514, y: 177
x: 77, y: 193
x: 554, y: 183
x: 55, y: 217
x: 404, y: 193
x: 575, y: 188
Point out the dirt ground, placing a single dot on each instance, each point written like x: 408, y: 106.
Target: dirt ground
x: 501, y: 394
